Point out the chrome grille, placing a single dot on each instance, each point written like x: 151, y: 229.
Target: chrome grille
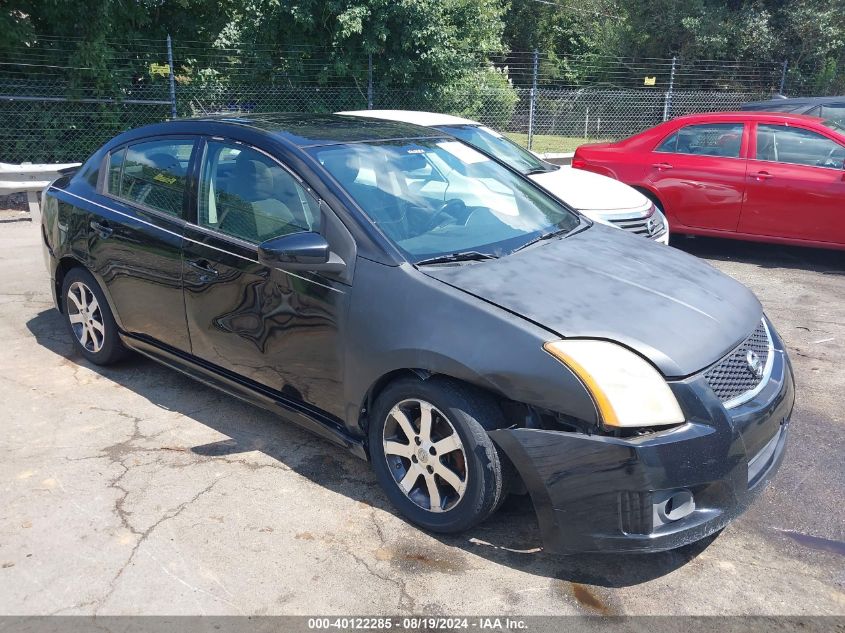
x: 640, y: 226
x: 732, y: 377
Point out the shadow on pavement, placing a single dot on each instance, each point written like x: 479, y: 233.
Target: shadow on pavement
x: 825, y: 261
x: 511, y: 537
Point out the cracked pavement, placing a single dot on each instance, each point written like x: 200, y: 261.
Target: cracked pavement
x: 134, y: 490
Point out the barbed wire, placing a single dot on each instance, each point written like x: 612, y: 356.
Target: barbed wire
x: 322, y: 66
x: 57, y: 106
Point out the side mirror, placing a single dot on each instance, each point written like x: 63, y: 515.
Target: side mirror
x: 300, y: 251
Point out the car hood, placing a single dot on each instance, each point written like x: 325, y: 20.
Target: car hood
x: 671, y: 307
x: 586, y: 191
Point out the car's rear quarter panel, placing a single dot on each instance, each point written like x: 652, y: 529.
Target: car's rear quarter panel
x: 65, y: 230
x: 626, y: 165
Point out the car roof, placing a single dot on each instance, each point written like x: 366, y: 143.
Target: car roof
x: 307, y: 130
x: 794, y: 101
x: 416, y: 117
x: 745, y: 115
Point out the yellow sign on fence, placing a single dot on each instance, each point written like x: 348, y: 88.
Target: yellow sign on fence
x: 649, y: 81
x: 159, y: 69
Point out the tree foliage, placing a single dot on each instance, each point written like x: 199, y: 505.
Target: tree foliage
x: 808, y: 34
x: 431, y: 47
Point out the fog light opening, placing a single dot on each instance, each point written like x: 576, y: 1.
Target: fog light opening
x: 675, y: 506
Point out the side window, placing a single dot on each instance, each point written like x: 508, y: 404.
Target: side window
x: 247, y: 195
x: 710, y: 139
x: 152, y: 174
x: 797, y: 146
x: 669, y: 145
x: 115, y: 166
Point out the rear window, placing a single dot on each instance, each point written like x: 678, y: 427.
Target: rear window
x: 837, y: 126
x: 834, y: 112
x: 115, y: 166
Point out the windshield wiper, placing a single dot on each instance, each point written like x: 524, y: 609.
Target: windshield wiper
x: 538, y: 170
x: 540, y: 238
x: 462, y: 256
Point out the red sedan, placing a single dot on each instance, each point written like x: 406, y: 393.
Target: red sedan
x: 757, y: 176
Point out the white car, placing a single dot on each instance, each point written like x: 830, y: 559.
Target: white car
x: 598, y: 197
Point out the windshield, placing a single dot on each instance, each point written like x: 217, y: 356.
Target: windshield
x: 439, y: 197
x: 495, y: 144
x: 837, y: 125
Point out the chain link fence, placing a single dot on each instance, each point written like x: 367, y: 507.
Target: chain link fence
x: 548, y: 105
x: 48, y: 122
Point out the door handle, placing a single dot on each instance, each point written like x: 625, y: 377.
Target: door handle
x: 662, y: 166
x: 102, y: 229
x: 202, y: 266
x: 762, y: 175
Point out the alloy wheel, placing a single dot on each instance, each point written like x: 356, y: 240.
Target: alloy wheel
x: 85, y: 316
x: 425, y: 455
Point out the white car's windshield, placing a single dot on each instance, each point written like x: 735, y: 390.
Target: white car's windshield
x: 837, y: 125
x: 440, y: 197
x: 495, y: 144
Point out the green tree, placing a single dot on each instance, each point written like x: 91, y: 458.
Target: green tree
x: 809, y: 34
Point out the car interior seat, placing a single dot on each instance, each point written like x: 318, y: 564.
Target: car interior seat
x: 766, y: 148
x: 729, y: 144
x: 684, y: 145
x: 287, y: 191
x: 249, y: 209
x: 160, y: 184
x: 377, y: 199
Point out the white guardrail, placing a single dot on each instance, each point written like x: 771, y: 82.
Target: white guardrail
x: 558, y: 159
x: 31, y: 179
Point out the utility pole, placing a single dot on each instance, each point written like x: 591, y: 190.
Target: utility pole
x: 783, y: 76
x: 533, y: 99
x: 172, y: 78
x: 369, y: 81
x: 667, y: 102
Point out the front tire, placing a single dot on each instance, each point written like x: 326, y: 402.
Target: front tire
x: 89, y: 318
x: 432, y: 455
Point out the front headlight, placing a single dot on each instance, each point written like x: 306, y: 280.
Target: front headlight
x: 627, y: 391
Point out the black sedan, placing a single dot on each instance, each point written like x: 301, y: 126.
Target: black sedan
x: 828, y: 108
x: 433, y: 311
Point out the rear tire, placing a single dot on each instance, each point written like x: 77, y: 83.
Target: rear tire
x: 89, y: 318
x: 432, y: 455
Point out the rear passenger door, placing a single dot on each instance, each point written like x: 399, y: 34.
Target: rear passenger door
x: 135, y: 238
x: 699, y: 174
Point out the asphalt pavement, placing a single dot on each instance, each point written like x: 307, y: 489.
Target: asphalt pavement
x: 134, y: 490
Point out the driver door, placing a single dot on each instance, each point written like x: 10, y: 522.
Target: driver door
x: 795, y: 185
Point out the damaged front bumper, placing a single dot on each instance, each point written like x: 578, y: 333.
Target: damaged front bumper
x: 661, y: 490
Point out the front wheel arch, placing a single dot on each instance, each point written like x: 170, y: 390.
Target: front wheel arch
x: 417, y: 373
x: 472, y: 413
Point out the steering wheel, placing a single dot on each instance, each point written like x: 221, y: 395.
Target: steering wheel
x: 449, y: 211
x: 835, y: 158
